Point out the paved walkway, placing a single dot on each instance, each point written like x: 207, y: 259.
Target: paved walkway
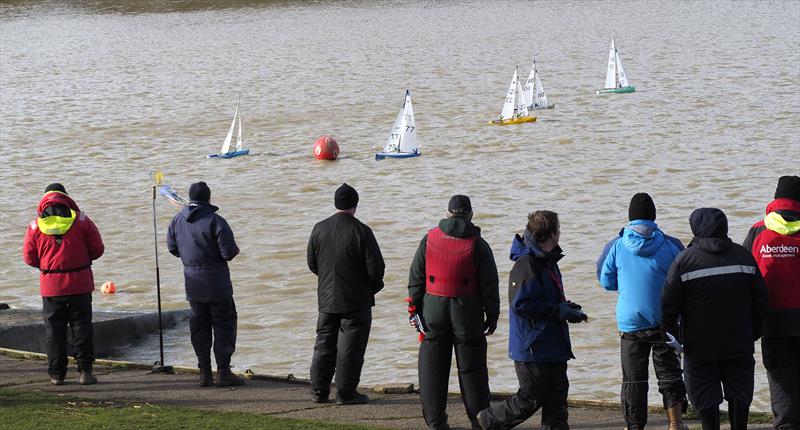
x: 267, y: 395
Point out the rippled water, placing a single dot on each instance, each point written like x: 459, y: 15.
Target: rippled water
x: 96, y: 94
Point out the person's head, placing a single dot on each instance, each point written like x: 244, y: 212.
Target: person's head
x: 641, y: 207
x: 345, y: 198
x: 55, y: 186
x: 459, y: 206
x: 788, y: 188
x: 708, y: 222
x: 545, y: 229
x: 199, y: 192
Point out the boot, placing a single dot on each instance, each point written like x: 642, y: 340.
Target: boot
x: 737, y: 414
x: 710, y: 418
x: 674, y: 417
x: 226, y: 378
x: 87, y: 378
x: 205, y: 378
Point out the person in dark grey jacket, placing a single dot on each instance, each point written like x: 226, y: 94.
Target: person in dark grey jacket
x: 343, y: 253
x: 204, y: 242
x: 716, y: 290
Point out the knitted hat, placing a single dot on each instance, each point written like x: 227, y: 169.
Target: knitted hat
x: 55, y: 186
x: 199, y: 192
x: 788, y: 188
x: 459, y: 205
x: 642, y: 207
x: 346, y: 197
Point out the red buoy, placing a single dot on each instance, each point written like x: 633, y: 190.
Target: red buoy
x: 326, y: 148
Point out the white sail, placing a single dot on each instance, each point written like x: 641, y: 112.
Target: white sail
x: 527, y: 90
x: 403, y: 135
x: 239, y: 134
x: 611, y: 73
x: 408, y: 143
x: 522, y: 107
x: 623, y: 78
x: 226, y: 145
x: 539, y: 98
x: 509, y: 104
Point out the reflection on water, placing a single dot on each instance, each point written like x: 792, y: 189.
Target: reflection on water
x: 96, y: 94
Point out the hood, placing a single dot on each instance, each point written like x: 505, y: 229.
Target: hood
x: 525, y: 245
x: 713, y: 245
x: 708, y: 222
x: 789, y: 209
x: 52, y: 198
x: 196, y: 210
x: 642, y: 237
x: 459, y: 227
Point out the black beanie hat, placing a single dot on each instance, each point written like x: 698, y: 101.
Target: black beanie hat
x: 788, y: 188
x: 55, y: 186
x: 641, y: 207
x: 199, y: 192
x: 346, y: 197
x: 459, y: 205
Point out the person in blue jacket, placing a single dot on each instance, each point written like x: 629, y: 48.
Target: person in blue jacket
x: 204, y: 242
x: 635, y: 264
x: 538, y: 340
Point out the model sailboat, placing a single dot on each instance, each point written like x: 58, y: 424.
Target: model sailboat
x: 227, y: 151
x: 402, y: 140
x: 616, y: 79
x: 515, y: 110
x: 534, y: 92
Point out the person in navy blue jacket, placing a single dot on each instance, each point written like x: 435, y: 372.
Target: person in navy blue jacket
x: 538, y: 340
x: 204, y: 242
x: 635, y: 263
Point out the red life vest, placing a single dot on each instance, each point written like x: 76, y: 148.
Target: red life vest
x: 450, y: 269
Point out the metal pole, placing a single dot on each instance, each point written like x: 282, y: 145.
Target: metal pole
x: 158, y: 367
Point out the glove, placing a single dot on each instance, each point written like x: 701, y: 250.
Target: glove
x: 574, y: 305
x: 565, y: 312
x: 489, y: 327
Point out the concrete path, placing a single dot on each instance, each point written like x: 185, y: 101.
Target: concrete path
x: 269, y: 396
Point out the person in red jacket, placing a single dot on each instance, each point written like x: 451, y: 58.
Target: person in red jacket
x: 775, y: 244
x: 62, y: 242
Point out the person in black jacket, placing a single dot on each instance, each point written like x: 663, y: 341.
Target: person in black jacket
x: 345, y: 256
x: 204, y: 242
x: 453, y: 285
x: 716, y: 290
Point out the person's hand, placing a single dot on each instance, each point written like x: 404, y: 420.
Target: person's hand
x: 574, y: 305
x: 565, y: 312
x: 674, y: 344
x: 489, y: 327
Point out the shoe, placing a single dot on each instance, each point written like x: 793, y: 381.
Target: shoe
x: 358, y: 399
x: 483, y: 419
x: 57, y: 381
x: 319, y: 397
x: 87, y: 378
x: 226, y: 378
x: 205, y: 378
x: 674, y: 416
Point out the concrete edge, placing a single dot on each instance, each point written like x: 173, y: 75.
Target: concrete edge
x: 291, y: 379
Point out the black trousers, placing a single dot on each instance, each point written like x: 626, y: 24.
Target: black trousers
x: 339, y: 349
x: 635, y: 350
x: 709, y: 381
x: 541, y: 385
x: 453, y: 323
x: 76, y: 312
x: 221, y: 318
x: 782, y: 361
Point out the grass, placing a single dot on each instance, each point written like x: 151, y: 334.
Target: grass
x: 41, y: 411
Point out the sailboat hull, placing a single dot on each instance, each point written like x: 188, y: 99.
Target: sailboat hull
x: 514, y: 121
x: 622, y: 90
x: 382, y: 155
x: 230, y: 154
